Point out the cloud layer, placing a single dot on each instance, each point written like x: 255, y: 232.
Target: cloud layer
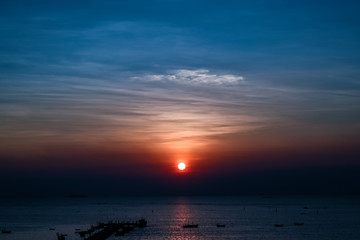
x: 195, y: 77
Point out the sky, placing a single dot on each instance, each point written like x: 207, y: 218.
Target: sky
x: 254, y: 96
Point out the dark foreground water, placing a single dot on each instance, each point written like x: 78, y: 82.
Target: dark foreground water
x: 245, y: 217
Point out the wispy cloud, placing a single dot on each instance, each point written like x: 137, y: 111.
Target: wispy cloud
x: 194, y: 77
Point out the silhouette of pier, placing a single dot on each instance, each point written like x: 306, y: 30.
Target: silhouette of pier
x: 105, y: 230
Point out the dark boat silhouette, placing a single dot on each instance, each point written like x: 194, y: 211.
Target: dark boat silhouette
x: 220, y: 225
x: 77, y: 196
x: 298, y: 224
x: 141, y: 223
x: 278, y: 225
x: 61, y: 236
x: 5, y: 231
x: 190, y: 225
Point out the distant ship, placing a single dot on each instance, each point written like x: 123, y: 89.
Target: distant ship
x: 220, y: 225
x: 6, y: 231
x: 77, y: 196
x: 190, y: 225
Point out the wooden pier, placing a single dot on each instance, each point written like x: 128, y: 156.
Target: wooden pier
x: 105, y: 230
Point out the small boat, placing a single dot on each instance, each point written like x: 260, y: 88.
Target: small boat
x: 141, y: 223
x: 220, y: 225
x: 51, y: 229
x: 77, y: 196
x: 278, y: 225
x: 61, y: 236
x: 298, y: 224
x: 190, y: 225
x: 5, y: 231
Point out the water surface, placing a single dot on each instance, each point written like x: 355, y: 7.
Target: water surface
x: 245, y: 217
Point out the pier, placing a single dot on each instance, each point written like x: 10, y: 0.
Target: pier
x: 106, y: 232
x: 103, y: 231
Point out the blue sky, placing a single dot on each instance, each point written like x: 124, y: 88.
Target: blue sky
x: 295, y: 43
x: 179, y: 77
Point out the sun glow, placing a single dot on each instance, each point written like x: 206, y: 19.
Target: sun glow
x: 181, y: 166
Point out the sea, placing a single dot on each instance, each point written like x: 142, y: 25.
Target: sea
x: 245, y: 217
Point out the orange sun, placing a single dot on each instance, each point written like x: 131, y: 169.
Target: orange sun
x: 181, y: 166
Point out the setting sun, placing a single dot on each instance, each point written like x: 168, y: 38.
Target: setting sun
x: 181, y: 166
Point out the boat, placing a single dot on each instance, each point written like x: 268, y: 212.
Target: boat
x: 278, y: 225
x: 52, y: 229
x: 298, y: 224
x: 141, y: 223
x: 77, y: 196
x: 61, y: 236
x: 190, y: 225
x: 6, y: 231
x: 220, y: 225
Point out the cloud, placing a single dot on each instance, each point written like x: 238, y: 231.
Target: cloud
x: 194, y: 77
